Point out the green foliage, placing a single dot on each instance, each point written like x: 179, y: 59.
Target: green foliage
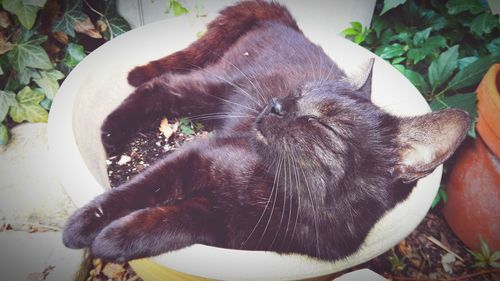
x: 115, y: 24
x: 440, y: 197
x: 397, y: 263
x: 186, y: 126
x: 176, y: 8
x: 36, y: 54
x: 72, y: 15
x: 25, y: 10
x: 443, y: 47
x: 74, y: 54
x: 389, y: 4
x: 28, y: 107
x: 485, y: 258
x: 356, y: 32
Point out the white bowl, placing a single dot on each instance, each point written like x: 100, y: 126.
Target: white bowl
x: 98, y: 84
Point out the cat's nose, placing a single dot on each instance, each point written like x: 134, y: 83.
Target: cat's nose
x: 277, y: 107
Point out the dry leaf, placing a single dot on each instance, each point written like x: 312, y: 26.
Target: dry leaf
x: 448, y: 261
x: 61, y: 37
x: 37, y: 276
x: 87, y: 27
x: 124, y: 159
x: 5, y: 45
x: 404, y: 249
x: 168, y: 129
x: 113, y: 270
x: 101, y: 26
x: 4, y: 19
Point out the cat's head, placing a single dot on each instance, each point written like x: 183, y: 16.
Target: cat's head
x: 333, y: 127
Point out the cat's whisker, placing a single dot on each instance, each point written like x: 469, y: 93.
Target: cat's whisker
x: 313, y: 206
x: 286, y: 171
x: 275, y: 189
x: 248, y: 95
x: 259, y: 92
x: 297, y: 183
x: 290, y: 159
x: 276, y: 157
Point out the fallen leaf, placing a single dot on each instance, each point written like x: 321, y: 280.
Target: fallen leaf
x: 5, y: 45
x: 124, y: 159
x: 404, y: 248
x: 36, y: 276
x: 168, y: 129
x: 86, y: 27
x: 61, y: 37
x: 4, y: 19
x: 101, y: 26
x: 448, y: 261
x: 113, y: 270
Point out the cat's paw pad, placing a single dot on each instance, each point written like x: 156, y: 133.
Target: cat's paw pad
x: 83, y: 226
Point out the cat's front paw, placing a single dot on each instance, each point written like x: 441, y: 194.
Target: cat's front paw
x: 83, y: 226
x: 114, y: 136
x: 123, y: 240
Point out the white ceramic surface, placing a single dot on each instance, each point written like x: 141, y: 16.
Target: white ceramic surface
x: 98, y: 84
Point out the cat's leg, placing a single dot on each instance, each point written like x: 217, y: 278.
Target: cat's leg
x: 232, y: 23
x: 169, y: 181
x: 171, y: 95
x: 156, y: 230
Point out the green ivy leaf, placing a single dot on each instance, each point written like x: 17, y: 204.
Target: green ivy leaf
x: 473, y: 73
x: 494, y: 46
x: 25, y: 76
x: 25, y: 10
x: 71, y: 16
x: 392, y: 51
x: 48, y: 82
x: 483, y: 24
x: 457, y: 6
x: 7, y: 99
x: 28, y: 107
x: 29, y: 53
x: 27, y: 95
x: 4, y: 134
x: 38, y: 3
x: 443, y: 67
x: 118, y: 26
x: 421, y: 36
x: 390, y: 4
x: 74, y: 55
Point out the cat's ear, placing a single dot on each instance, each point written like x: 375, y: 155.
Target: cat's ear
x: 427, y: 141
x: 364, y: 86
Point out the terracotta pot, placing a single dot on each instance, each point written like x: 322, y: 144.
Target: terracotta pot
x: 473, y: 206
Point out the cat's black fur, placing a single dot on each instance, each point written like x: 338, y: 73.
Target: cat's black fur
x: 301, y: 162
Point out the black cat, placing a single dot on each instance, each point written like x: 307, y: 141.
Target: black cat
x: 301, y: 162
